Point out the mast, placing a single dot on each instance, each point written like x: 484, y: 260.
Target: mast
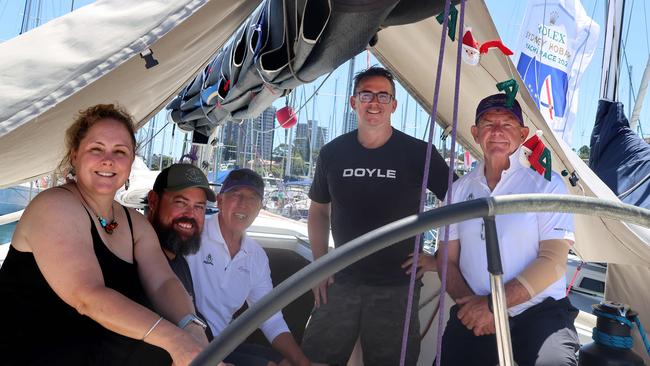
x: 612, y: 52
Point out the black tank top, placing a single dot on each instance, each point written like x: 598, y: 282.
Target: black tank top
x: 38, y: 328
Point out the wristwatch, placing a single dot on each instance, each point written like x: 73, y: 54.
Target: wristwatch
x: 191, y: 318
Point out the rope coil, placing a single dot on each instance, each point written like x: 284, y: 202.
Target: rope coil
x: 621, y: 342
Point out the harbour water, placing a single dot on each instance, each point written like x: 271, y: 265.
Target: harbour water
x: 7, y: 230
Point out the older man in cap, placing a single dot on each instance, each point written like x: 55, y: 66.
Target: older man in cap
x: 231, y: 268
x: 177, y: 213
x: 534, y: 248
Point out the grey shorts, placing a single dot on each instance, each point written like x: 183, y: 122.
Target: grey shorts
x: 373, y: 313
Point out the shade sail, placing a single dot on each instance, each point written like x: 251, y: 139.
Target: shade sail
x: 91, y: 56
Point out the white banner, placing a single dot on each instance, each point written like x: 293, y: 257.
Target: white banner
x: 556, y: 43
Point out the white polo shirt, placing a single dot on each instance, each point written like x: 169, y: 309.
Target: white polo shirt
x: 519, y: 234
x: 222, y: 283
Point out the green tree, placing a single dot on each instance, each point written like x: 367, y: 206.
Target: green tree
x: 584, y: 152
x: 297, y: 164
x: 279, y: 152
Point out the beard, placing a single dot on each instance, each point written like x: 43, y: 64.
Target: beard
x: 171, y: 240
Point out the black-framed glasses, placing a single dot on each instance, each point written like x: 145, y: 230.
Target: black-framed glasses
x: 368, y: 96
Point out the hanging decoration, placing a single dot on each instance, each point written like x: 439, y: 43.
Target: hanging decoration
x: 511, y: 88
x: 472, y: 50
x: 537, y: 156
x: 286, y: 116
x: 453, y: 17
x: 471, y: 53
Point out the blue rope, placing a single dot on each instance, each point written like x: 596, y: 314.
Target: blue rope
x: 642, y: 331
x: 611, y: 340
x: 619, y: 341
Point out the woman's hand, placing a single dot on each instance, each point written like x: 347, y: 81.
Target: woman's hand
x: 185, y: 348
x: 198, y: 332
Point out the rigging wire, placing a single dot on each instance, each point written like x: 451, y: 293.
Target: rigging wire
x: 151, y: 139
x: 629, y: 21
x: 645, y: 20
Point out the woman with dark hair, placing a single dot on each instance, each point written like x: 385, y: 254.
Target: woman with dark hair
x: 85, y: 280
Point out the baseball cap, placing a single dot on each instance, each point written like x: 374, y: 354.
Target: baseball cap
x: 177, y: 177
x: 243, y: 178
x: 496, y: 101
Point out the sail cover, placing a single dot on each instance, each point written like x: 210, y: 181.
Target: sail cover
x: 282, y: 45
x: 620, y: 157
x: 92, y: 55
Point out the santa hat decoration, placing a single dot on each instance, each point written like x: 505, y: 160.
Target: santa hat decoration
x: 495, y: 43
x: 472, y: 50
x: 471, y: 54
x: 536, y: 155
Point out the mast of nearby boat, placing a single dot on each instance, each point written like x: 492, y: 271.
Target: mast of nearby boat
x: 636, y: 112
x: 289, y: 152
x: 612, y: 52
x: 333, y: 119
x: 251, y: 124
x: 348, y: 94
x: 162, y: 149
x: 314, y: 134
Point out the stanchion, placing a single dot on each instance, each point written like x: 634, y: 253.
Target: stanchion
x: 498, y: 292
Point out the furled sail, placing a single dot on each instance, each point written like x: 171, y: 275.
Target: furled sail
x: 619, y: 156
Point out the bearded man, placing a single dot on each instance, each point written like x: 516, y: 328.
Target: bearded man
x: 177, y: 213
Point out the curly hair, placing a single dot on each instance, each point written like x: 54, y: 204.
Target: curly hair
x: 372, y: 72
x: 84, y: 121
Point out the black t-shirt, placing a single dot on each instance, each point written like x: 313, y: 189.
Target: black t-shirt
x: 369, y: 188
x: 182, y: 270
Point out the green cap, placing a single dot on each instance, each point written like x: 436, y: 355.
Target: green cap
x: 181, y: 176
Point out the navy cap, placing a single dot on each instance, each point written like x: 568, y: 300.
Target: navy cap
x: 243, y: 178
x: 498, y: 101
x: 177, y: 177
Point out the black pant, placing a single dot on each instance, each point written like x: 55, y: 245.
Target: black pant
x: 249, y: 354
x: 542, y: 335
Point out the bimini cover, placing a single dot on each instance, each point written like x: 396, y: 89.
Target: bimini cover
x: 91, y: 56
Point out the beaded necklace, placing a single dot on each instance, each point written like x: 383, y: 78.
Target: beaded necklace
x: 108, y: 227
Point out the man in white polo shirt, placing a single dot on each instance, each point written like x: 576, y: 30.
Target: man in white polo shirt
x: 231, y: 268
x: 534, y: 248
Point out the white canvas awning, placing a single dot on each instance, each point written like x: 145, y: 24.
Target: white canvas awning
x: 91, y: 56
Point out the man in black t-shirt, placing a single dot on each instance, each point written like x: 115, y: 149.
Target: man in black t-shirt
x: 365, y: 179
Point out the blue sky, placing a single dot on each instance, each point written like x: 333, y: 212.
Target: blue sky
x: 507, y: 15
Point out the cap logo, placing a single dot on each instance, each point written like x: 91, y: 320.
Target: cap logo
x: 194, y: 175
